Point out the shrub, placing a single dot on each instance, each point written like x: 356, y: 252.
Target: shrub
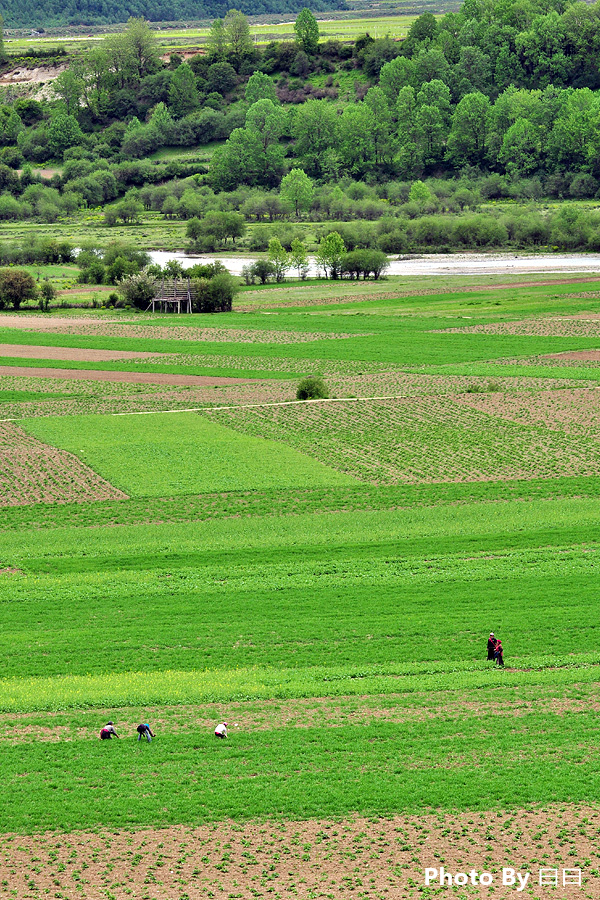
x: 211, y: 295
x: 137, y: 290
x: 312, y: 388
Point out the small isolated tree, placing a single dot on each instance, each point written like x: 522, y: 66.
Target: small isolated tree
x: 312, y: 388
x: 299, y: 258
x: 307, y: 31
x: 263, y: 270
x: 278, y: 258
x: 297, y: 190
x: 419, y: 193
x: 47, y: 295
x: 16, y: 286
x: 330, y: 254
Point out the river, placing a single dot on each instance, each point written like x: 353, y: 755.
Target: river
x: 432, y: 264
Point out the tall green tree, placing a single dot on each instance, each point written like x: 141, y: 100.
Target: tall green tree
x: 217, y: 41
x: 299, y: 258
x: 307, y: 31
x: 183, y: 93
x: 355, y: 145
x: 260, y: 87
x: 142, y: 48
x: 315, y: 130
x: 297, y: 190
x: 266, y: 120
x: 330, y: 254
x: 238, y: 35
x: 467, y: 142
x: 395, y: 75
x: 279, y: 259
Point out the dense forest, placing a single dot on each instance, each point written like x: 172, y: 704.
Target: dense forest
x: 410, y: 143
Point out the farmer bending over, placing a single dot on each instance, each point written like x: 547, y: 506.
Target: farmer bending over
x: 221, y: 730
x: 145, y: 731
x: 108, y: 732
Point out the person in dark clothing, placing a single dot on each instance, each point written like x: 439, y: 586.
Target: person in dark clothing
x: 491, y: 646
x: 145, y: 731
x: 109, y: 731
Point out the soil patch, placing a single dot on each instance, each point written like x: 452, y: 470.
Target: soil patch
x: 33, y: 472
x: 372, y: 858
x: 39, y: 74
x: 96, y: 326
x: 574, y: 356
x: 558, y: 326
x: 75, y: 354
x: 571, y: 412
x: 124, y: 377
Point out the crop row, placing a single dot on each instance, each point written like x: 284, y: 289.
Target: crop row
x: 422, y: 439
x: 32, y: 472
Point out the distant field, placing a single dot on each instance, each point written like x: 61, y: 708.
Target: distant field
x: 173, y: 38
x: 321, y: 576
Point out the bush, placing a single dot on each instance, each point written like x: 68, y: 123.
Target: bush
x: 137, y: 290
x: 312, y: 388
x: 211, y: 295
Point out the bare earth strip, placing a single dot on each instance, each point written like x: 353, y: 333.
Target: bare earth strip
x: 29, y: 351
x: 100, y: 327
x: 124, y: 377
x: 582, y: 325
x: 374, y: 858
x: 33, y: 472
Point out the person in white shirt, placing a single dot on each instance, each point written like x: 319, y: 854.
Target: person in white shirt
x: 109, y: 731
x: 221, y: 730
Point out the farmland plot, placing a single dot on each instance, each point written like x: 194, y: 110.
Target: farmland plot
x: 33, y: 472
x: 424, y: 439
x: 322, y: 576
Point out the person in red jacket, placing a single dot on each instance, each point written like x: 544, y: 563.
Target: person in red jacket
x: 499, y: 653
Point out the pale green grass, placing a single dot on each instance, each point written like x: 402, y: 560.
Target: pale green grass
x: 124, y: 689
x: 163, y: 455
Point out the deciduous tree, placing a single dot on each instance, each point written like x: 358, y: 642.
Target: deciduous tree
x: 307, y: 31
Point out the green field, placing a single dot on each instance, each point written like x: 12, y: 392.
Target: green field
x: 172, y: 39
x: 322, y: 576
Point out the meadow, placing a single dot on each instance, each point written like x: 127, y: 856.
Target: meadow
x: 323, y: 576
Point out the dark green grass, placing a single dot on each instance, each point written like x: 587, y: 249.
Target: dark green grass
x: 32, y: 396
x: 289, y: 502
x: 357, y: 588
x: 380, y: 769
